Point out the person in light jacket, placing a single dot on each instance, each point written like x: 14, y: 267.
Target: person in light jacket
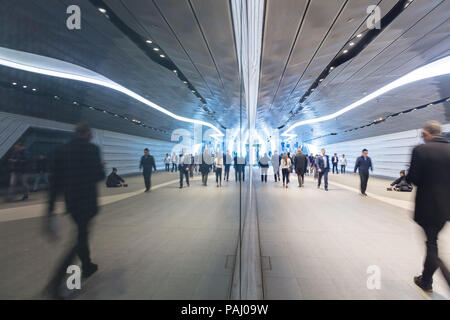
x: 276, y: 165
x: 343, y: 162
x: 285, y: 169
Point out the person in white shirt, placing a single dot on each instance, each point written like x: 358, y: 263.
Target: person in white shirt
x: 285, y: 169
x: 343, y: 162
x: 167, y: 162
x: 174, y: 162
x: 218, y: 164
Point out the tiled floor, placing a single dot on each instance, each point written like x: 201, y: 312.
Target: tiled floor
x: 320, y: 244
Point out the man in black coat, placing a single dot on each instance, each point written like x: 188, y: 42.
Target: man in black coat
x: 430, y: 172
x: 184, y: 167
x: 147, y: 163
x: 300, y: 165
x: 114, y: 180
x: 19, y: 165
x: 205, y: 166
x: 77, y: 169
x: 363, y: 164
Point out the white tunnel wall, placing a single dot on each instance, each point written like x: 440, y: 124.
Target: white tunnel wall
x: 119, y: 150
x: 389, y: 152
x: 124, y: 151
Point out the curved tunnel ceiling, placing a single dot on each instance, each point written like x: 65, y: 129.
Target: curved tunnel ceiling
x: 300, y: 39
x: 57, y: 68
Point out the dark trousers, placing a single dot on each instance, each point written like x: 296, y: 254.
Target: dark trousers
x: 185, y: 174
x: 364, y: 177
x: 432, y: 261
x: 301, y: 178
x: 324, y: 174
x: 219, y: 175
x: 174, y: 167
x: 227, y: 172
x: 285, y: 173
x: 335, y: 166
x: 80, y: 249
x: 147, y: 173
x: 205, y: 178
x: 240, y: 172
x: 276, y: 174
x: 342, y: 168
x: 167, y: 167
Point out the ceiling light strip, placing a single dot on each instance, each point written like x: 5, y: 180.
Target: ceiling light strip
x: 48, y: 66
x: 434, y: 69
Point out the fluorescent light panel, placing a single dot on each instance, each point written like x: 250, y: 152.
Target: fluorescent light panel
x: 434, y: 69
x: 57, y: 68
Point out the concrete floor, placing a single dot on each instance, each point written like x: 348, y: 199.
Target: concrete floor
x: 180, y: 244
x: 319, y: 245
x: 167, y: 244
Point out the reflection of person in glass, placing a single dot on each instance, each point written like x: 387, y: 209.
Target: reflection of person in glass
x: 76, y: 171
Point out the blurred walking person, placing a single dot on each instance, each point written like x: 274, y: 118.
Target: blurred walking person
x: 19, y: 166
x: 276, y: 165
x: 335, y: 162
x: 205, y: 166
x: 184, y: 167
x: 228, y: 160
x: 300, y: 165
x: 430, y: 172
x: 323, y: 167
x: 146, y: 164
x: 41, y: 171
x: 343, y: 162
x: 167, y: 162
x: 264, y: 166
x: 363, y: 164
x: 285, y: 169
x: 174, y: 162
x: 76, y: 171
x: 218, y: 164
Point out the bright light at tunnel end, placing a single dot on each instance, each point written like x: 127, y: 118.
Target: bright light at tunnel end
x: 434, y: 69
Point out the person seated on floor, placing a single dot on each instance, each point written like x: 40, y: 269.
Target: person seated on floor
x: 401, y: 184
x: 114, y: 180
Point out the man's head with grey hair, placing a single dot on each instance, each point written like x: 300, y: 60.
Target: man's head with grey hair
x: 431, y: 129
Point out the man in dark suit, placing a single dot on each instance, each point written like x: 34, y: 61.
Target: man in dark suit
x: 300, y: 165
x: 430, y: 172
x: 335, y: 161
x: 147, y: 163
x: 205, y: 166
x: 363, y: 164
x: 76, y: 171
x: 323, y: 167
x: 184, y: 167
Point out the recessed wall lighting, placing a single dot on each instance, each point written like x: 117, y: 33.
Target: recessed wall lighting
x: 56, y: 97
x: 351, y: 44
x: 162, y: 56
x: 14, y: 83
x: 175, y: 71
x: 345, y: 51
x: 149, y: 41
x: 359, y: 35
x: 34, y: 89
x: 24, y: 87
x: 156, y: 49
x: 331, y: 68
x: 102, y: 10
